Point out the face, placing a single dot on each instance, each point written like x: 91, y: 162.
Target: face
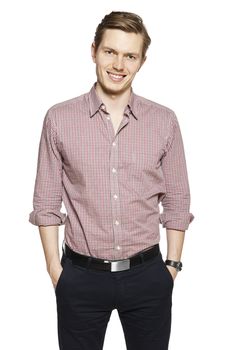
x: 118, y: 59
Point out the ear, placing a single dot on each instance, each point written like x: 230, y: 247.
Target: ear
x: 143, y: 61
x: 93, y: 52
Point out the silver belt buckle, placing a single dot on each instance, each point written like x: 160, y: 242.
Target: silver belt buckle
x: 119, y: 265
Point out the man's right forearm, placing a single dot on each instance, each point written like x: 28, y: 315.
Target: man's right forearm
x: 49, y: 238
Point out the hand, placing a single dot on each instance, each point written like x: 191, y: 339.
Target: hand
x: 55, y: 272
x: 172, y: 271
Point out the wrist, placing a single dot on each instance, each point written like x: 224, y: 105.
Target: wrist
x: 53, y: 266
x: 177, y: 265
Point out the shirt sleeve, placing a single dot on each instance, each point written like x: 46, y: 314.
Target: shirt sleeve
x: 176, y: 201
x: 47, y: 197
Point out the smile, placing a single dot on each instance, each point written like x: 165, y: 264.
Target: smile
x: 116, y: 77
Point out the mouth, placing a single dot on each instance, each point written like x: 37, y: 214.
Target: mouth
x: 116, y: 77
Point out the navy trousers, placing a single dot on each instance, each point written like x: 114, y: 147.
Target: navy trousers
x: 142, y: 296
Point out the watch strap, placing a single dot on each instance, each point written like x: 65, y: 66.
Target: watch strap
x: 176, y: 264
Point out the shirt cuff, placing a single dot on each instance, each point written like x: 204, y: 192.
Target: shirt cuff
x: 47, y: 218
x: 177, y: 221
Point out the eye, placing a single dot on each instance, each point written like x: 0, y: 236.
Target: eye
x: 108, y: 52
x: 131, y: 57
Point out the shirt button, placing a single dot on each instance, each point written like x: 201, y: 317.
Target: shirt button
x: 118, y: 247
x: 114, y: 143
x: 108, y: 118
x: 113, y: 170
x: 116, y: 222
x: 115, y: 196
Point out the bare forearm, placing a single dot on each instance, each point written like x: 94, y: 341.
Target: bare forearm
x: 49, y: 239
x: 175, y: 241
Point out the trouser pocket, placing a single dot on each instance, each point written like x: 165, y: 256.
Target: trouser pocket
x: 61, y: 277
x: 167, y: 272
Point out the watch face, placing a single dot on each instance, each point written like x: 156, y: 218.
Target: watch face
x: 179, y: 266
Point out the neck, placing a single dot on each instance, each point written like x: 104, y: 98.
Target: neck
x: 113, y: 101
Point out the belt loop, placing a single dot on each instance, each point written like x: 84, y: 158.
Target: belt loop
x: 142, y: 257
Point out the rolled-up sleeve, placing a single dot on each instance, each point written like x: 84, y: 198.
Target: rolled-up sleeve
x: 176, y: 202
x: 47, y: 197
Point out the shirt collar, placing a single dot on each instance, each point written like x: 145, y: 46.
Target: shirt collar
x: 95, y: 103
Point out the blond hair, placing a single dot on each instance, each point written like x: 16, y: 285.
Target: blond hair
x: 126, y: 21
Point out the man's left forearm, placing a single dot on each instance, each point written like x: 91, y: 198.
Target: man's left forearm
x: 175, y: 241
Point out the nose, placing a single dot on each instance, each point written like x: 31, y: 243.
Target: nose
x: 118, y: 63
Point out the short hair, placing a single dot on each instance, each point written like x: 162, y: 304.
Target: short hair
x: 126, y: 21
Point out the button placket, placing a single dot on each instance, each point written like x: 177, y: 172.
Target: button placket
x: 114, y: 184
x: 115, y: 204
x: 115, y: 197
x: 107, y: 121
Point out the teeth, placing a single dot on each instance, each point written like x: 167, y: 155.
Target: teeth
x: 115, y: 76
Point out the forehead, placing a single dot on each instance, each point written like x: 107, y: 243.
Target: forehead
x: 122, y: 41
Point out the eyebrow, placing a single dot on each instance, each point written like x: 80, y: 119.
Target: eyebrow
x: 127, y: 53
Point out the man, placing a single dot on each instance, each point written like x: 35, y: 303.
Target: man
x: 112, y: 156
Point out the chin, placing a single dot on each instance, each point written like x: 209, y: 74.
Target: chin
x: 114, y: 89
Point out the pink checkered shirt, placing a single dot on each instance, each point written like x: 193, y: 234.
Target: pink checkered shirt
x: 111, y: 184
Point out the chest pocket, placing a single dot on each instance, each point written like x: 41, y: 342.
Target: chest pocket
x: 146, y: 174
x: 143, y: 162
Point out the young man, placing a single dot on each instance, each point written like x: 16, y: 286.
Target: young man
x: 112, y: 156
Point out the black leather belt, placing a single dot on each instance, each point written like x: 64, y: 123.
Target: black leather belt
x: 111, y: 265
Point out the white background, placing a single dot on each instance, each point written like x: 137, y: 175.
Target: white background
x: 45, y: 59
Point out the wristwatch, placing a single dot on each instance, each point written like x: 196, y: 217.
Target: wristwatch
x: 176, y: 264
